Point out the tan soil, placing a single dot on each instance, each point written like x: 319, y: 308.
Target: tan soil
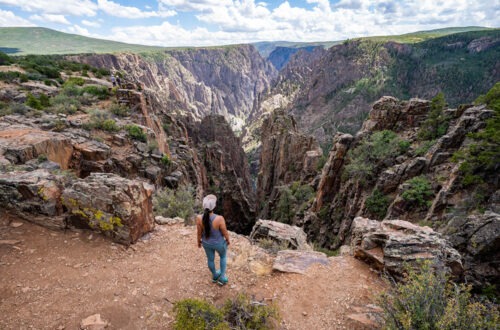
x: 53, y: 280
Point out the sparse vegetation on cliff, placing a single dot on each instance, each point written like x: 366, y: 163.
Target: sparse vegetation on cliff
x: 380, y: 146
x: 481, y: 159
x: 418, y: 191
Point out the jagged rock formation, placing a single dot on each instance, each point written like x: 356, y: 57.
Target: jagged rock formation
x: 286, y: 156
x: 391, y: 245
x: 226, y: 171
x: 339, y: 198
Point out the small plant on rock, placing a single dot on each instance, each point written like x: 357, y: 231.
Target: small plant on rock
x: 377, y: 204
x: 136, y: 133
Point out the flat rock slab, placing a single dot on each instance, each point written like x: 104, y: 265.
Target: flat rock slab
x: 290, y: 261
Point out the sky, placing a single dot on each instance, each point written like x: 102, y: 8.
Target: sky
x: 219, y: 22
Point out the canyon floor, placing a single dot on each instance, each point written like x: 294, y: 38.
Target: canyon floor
x: 53, y: 280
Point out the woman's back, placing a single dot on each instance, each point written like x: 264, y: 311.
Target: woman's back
x: 215, y: 236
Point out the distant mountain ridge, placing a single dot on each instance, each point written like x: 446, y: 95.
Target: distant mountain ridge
x: 44, y: 41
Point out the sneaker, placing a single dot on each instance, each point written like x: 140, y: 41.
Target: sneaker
x: 222, y: 281
x: 216, y: 276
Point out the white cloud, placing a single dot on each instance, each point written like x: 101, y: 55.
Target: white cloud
x: 117, y: 10
x: 51, y: 18
x: 76, y: 29
x: 91, y: 23
x: 8, y: 18
x: 67, y: 7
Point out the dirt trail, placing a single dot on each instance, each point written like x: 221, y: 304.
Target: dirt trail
x: 52, y: 280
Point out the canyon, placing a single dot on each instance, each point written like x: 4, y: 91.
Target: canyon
x: 316, y: 142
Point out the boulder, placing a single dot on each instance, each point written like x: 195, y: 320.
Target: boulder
x: 122, y: 208
x: 290, y: 261
x: 168, y: 221
x: 33, y: 196
x: 390, y: 244
x: 285, y: 235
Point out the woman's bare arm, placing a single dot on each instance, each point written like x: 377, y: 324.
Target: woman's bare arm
x: 223, y: 229
x: 199, y: 230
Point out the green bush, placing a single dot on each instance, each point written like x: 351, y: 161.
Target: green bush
x: 120, y: 110
x: 5, y: 59
x: 418, y: 191
x: 377, y: 204
x: 101, y: 92
x: 437, y: 122
x: 424, y: 147
x: 195, y: 314
x: 292, y: 200
x: 136, y: 133
x: 44, y: 100
x: 33, y: 102
x: 9, y: 76
x: 100, y: 119
x: 79, y: 81
x: 427, y: 300
x: 109, y: 125
x: 63, y: 103
x: 165, y: 161
x: 237, y: 313
x: 378, y: 147
x: 242, y: 313
x: 175, y: 203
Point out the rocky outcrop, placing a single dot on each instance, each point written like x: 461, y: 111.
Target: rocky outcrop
x: 284, y: 235
x: 34, y: 196
x: 21, y: 143
x: 391, y: 245
x: 286, y: 156
x: 122, y: 210
x: 477, y: 237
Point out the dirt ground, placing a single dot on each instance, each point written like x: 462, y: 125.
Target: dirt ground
x: 53, y: 280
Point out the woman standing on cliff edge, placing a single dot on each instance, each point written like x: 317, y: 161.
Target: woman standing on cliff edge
x: 212, y: 234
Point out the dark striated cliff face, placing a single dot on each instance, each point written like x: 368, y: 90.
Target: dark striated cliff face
x: 228, y: 81
x: 333, y: 92
x: 227, y: 173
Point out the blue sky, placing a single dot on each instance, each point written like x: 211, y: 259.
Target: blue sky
x: 216, y: 22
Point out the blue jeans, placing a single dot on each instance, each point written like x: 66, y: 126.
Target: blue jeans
x: 210, y: 249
